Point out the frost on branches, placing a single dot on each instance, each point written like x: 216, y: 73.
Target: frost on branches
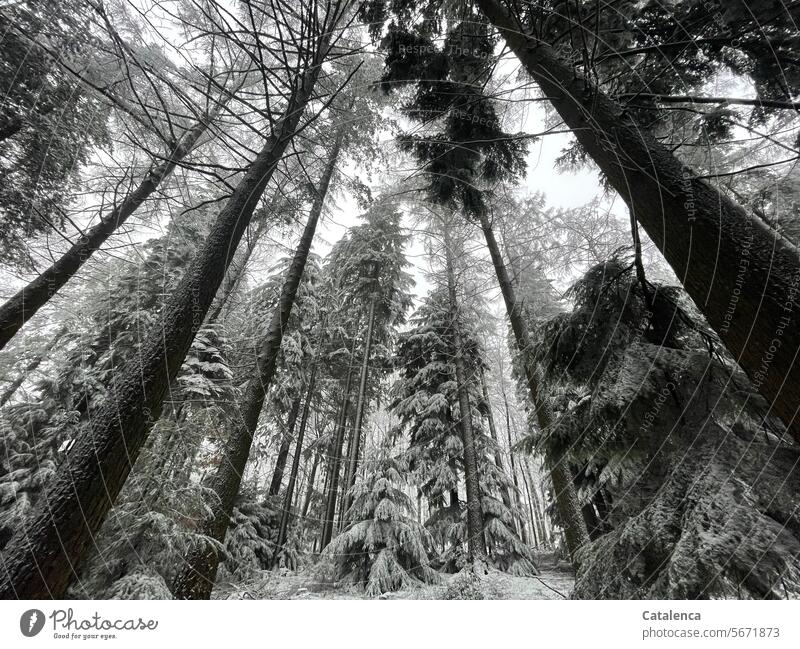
x: 382, y: 548
x: 700, y: 481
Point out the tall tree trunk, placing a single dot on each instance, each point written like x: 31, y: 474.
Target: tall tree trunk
x: 283, y: 451
x: 360, y: 408
x: 336, y: 458
x: 39, y: 559
x: 31, y: 366
x: 511, y: 456
x: 310, y: 487
x: 545, y: 524
x: 533, y: 518
x: 343, y: 489
x: 298, y: 449
x: 498, y: 458
x: 238, y: 267
x: 196, y: 578
x: 21, y: 307
x: 476, y: 546
x: 740, y: 273
x: 566, y: 498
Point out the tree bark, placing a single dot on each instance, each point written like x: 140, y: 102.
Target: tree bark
x: 298, y: 449
x: 283, y: 451
x: 39, y: 559
x: 741, y: 274
x: 21, y: 307
x: 476, y: 547
x: 196, y: 578
x: 566, y: 498
x: 360, y: 408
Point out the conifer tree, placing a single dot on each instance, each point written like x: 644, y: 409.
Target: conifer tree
x: 101, y: 463
x: 383, y: 547
x: 426, y: 399
x: 671, y: 430
x: 650, y: 178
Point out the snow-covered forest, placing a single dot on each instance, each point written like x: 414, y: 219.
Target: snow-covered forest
x: 424, y: 299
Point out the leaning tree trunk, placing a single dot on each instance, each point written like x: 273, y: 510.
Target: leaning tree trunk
x: 298, y: 448
x: 566, y: 497
x: 741, y: 274
x: 39, y: 559
x: 238, y: 267
x: 283, y: 451
x: 196, y: 579
x: 352, y: 462
x: 21, y: 307
x: 475, y: 541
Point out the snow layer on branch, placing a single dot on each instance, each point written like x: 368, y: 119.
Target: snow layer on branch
x: 712, y: 509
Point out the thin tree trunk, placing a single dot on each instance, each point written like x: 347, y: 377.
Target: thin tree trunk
x: 283, y: 451
x: 498, y: 458
x: 360, y: 408
x: 21, y: 307
x: 336, y: 459
x: 475, y: 541
x: 238, y: 267
x: 566, y: 498
x: 346, y: 461
x: 298, y: 492
x: 741, y: 274
x: 545, y: 524
x: 196, y: 578
x: 31, y: 367
x: 511, y: 452
x: 287, y: 500
x: 38, y: 561
x: 532, y: 519
x: 310, y: 487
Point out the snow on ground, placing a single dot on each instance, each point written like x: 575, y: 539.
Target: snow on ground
x: 555, y: 581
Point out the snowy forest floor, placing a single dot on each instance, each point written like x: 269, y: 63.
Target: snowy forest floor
x: 555, y: 581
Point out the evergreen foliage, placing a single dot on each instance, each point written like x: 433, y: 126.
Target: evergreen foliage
x: 425, y: 400
x: 701, y: 480
x: 382, y: 548
x: 49, y: 123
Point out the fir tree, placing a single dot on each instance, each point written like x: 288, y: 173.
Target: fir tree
x: 425, y: 399
x: 383, y: 547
